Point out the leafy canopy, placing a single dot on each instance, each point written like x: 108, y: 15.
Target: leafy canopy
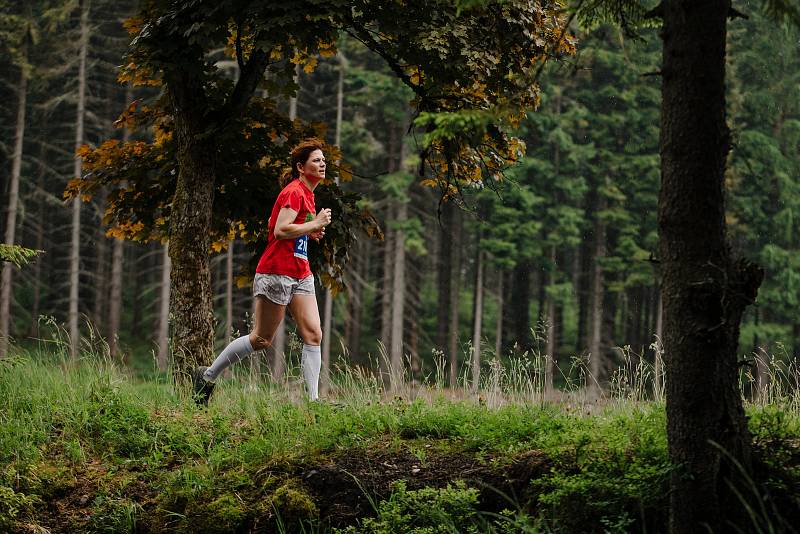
x: 472, y: 70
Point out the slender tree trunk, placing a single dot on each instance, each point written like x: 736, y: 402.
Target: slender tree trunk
x: 498, y: 327
x: 75, y: 246
x: 412, y: 322
x: 229, y: 292
x: 386, y: 298
x: 552, y: 328
x: 705, y: 292
x: 117, y: 257
x: 455, y: 285
x: 359, y: 269
x: 443, y: 281
x: 163, y: 312
x: 519, y: 306
x: 11, y: 218
x: 398, y: 299
x: 477, y: 317
x: 100, y: 273
x: 115, y: 296
x: 584, y: 281
x: 658, y: 360
x: 328, y: 312
x: 796, y: 339
x: 37, y: 266
x: 596, y: 318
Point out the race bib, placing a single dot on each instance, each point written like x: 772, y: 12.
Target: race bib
x: 301, y: 247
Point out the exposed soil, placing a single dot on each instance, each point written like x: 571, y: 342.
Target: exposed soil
x: 346, y: 487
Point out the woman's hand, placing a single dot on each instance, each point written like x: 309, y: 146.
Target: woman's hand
x: 318, y: 235
x: 322, y: 220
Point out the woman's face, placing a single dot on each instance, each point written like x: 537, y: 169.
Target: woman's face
x: 314, y: 167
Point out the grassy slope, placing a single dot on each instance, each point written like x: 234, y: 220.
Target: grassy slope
x: 90, y: 449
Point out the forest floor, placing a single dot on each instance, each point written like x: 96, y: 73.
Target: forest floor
x: 92, y: 447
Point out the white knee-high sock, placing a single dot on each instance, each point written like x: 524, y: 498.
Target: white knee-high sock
x: 311, y: 363
x: 237, y: 350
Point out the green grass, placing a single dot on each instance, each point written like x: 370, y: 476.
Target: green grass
x: 118, y: 453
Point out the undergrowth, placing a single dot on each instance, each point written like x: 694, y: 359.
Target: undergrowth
x: 88, y: 447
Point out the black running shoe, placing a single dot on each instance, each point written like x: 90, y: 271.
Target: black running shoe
x: 202, y: 387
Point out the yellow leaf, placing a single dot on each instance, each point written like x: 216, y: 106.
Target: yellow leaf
x: 310, y: 65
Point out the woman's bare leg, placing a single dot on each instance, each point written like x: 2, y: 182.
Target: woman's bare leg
x: 305, y: 312
x: 268, y: 316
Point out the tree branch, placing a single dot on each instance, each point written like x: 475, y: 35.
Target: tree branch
x: 370, y: 42
x: 250, y: 76
x: 239, y: 56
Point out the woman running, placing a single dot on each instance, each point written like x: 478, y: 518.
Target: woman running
x: 283, y: 276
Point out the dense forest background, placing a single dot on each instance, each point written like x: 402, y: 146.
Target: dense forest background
x: 559, y: 258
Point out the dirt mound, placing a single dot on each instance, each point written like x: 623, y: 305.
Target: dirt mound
x: 350, y: 486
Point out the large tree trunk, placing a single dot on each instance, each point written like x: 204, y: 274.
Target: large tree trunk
x: 704, y: 291
x: 190, y: 220
x: 11, y: 217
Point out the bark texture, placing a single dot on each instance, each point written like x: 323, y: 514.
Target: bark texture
x: 704, y: 290
x: 190, y: 276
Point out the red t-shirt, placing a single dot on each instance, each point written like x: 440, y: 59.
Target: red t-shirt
x: 289, y: 256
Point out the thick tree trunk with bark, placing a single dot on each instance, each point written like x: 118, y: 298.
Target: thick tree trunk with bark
x: 190, y: 219
x: 11, y: 217
x: 704, y: 291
